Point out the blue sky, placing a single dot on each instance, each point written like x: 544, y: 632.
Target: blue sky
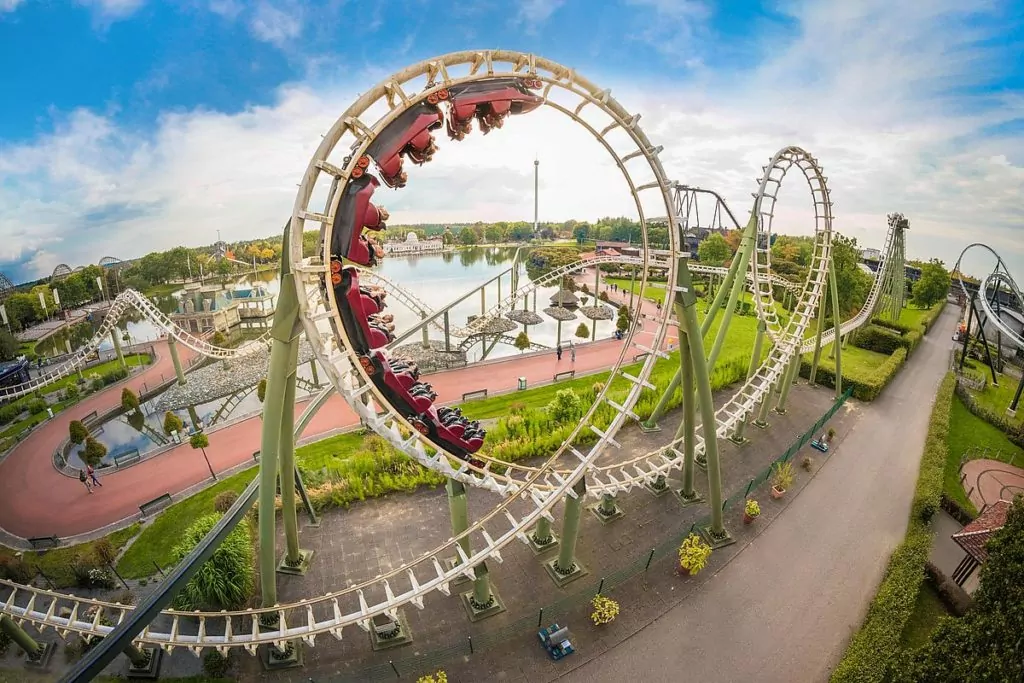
x: 119, y: 117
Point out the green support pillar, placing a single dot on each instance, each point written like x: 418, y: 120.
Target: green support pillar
x: 559, y: 335
x: 483, y: 301
x: 597, y: 282
x: 535, y: 301
x: 459, y: 514
x: 172, y: 346
x: 193, y: 417
x: 564, y: 568
x: 731, y: 285
x: 314, y: 372
x: 542, y: 538
x: 816, y: 358
x: 35, y: 652
x: 836, y: 322
x: 716, y: 532
x: 447, y: 333
x: 787, y: 382
x: 755, y: 362
x: 280, y: 374
x: 117, y: 347
x: 687, y: 429
x: 296, y: 560
x: 424, y: 332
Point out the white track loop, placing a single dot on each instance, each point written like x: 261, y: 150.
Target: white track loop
x: 125, y: 301
x: 622, y: 476
x: 998, y: 279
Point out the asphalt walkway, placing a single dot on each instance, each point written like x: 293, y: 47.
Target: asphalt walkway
x: 784, y: 609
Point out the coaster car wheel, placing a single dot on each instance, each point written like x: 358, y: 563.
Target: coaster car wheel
x: 367, y: 364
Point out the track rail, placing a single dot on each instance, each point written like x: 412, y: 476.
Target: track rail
x: 998, y: 280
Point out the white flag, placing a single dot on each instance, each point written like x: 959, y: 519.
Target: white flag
x: 3, y: 313
x: 42, y: 301
x: 56, y: 298
x: 99, y: 283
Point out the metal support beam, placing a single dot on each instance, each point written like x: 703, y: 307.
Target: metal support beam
x: 566, y: 562
x: 459, y: 513
x: 816, y: 358
x: 836, y: 346
x: 787, y: 381
x: 755, y: 362
x: 114, y: 337
x: 33, y: 650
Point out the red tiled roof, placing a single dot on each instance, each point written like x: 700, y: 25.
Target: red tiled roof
x: 974, y: 537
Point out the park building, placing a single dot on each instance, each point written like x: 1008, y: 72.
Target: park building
x: 414, y: 245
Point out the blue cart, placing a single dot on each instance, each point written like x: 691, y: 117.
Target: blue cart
x: 820, y: 444
x: 555, y: 640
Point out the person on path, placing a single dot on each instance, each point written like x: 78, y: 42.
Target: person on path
x: 81, y: 478
x: 558, y: 352
x: 572, y: 352
x: 92, y: 476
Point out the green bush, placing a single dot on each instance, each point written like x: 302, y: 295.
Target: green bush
x: 864, y: 388
x: 71, y: 392
x: 875, y: 646
x: 78, y: 432
x: 172, y: 423
x: 261, y: 389
x: 215, y: 664
x: 129, y: 400
x: 94, y: 452
x: 113, y: 377
x: 1013, y: 430
x: 879, y: 340
x: 583, y: 331
x: 37, y: 405
x: 9, y: 412
x: 567, y: 406
x: 224, y: 500
x: 227, y: 579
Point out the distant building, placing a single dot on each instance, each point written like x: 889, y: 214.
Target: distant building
x: 616, y: 249
x: 206, y: 308
x: 14, y: 372
x: 870, y: 254
x: 413, y: 245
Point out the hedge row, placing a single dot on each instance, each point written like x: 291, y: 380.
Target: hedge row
x: 877, y: 643
x: 864, y: 388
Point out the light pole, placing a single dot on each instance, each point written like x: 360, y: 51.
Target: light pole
x: 536, y: 204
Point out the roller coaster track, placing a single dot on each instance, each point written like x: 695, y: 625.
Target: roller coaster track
x: 998, y: 280
x: 127, y: 300
x: 529, y: 493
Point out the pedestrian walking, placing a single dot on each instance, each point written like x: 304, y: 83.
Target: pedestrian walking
x: 558, y: 352
x: 572, y: 353
x: 82, y: 478
x: 92, y: 475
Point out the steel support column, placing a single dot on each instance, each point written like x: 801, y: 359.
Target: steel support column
x: 172, y: 346
x: 566, y: 562
x: 459, y: 514
x: 33, y: 650
x: 817, y: 336
x: 114, y: 334
x: 836, y: 346
x: 787, y: 381
x: 293, y: 557
x: 755, y: 362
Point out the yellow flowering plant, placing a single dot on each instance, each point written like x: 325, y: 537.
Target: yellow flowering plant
x: 694, y: 553
x: 605, y: 610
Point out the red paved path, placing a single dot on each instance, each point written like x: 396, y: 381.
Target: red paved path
x: 992, y: 481
x: 39, y: 501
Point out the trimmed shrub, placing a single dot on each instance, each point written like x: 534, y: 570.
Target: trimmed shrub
x: 15, y: 569
x: 214, y: 663
x: 227, y: 579
x: 875, y: 646
x: 224, y: 500
x: 104, y: 551
x: 864, y: 388
x: 129, y: 400
x: 583, y: 331
x: 1014, y: 432
x: 77, y: 432
x: 172, y: 423
x: 261, y: 389
x: 94, y: 452
x: 879, y: 340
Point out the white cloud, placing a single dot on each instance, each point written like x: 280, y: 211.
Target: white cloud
x: 9, y: 5
x: 276, y: 25
x: 877, y: 105
x: 112, y: 9
x: 536, y: 12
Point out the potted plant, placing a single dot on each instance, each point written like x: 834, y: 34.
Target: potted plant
x: 751, y: 510
x: 831, y: 435
x: 605, y: 610
x: 782, y: 479
x: 807, y: 462
x: 693, y: 555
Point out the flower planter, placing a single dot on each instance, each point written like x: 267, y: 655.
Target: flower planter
x: 683, y: 571
x: 777, y: 492
x: 747, y: 519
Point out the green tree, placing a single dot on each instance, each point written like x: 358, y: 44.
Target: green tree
x: 493, y: 233
x: 566, y: 406
x: 78, y: 432
x: 622, y: 323
x: 94, y: 452
x: 261, y: 389
x: 200, y: 441
x: 219, y: 339
x: 172, y: 423
x: 467, y: 237
x: 714, y: 250
x: 447, y: 237
x: 522, y: 341
x: 8, y: 346
x: 228, y: 578
x: 933, y: 285
x: 583, y: 331
x: 853, y: 283
x: 985, y: 643
x: 129, y: 400
x: 581, y: 233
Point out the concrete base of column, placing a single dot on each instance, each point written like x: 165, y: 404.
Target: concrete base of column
x: 564, y: 576
x: 305, y: 558
x: 1010, y: 412
x: 760, y: 424
x: 649, y: 427
x: 779, y: 411
x: 714, y: 541
x: 657, y: 487
x: 542, y: 545
x: 607, y: 512
x: 385, y: 638
x: 151, y: 669
x: 478, y: 612
x: 701, y: 461
x: 694, y: 499
x: 274, y: 659
x: 41, y: 660
x: 737, y: 438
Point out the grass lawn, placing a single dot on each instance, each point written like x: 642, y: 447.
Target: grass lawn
x: 913, y: 317
x: 973, y: 437
x: 856, y: 362
x: 928, y: 609
x: 56, y: 563
x: 162, y: 290
x: 133, y: 360
x: 654, y: 291
x: 998, y: 398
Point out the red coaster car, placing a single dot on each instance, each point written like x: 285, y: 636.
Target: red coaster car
x: 461, y: 446
x: 355, y: 307
x: 490, y: 102
x: 355, y: 212
x: 408, y: 135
